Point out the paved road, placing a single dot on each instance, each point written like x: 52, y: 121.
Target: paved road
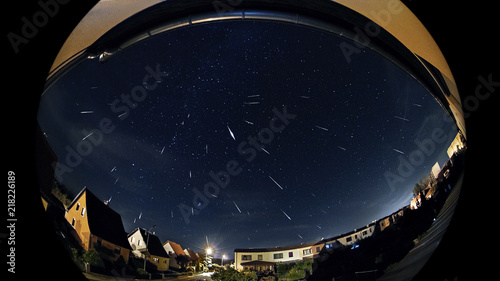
x: 411, y: 264
x: 201, y: 277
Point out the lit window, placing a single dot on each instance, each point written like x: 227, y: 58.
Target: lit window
x: 83, y: 211
x: 73, y: 222
x: 278, y: 256
x: 77, y: 206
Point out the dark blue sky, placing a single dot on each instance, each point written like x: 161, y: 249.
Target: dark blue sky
x: 212, y: 89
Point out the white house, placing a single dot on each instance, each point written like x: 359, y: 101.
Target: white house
x: 261, y: 259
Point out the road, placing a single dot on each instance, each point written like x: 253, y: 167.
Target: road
x: 418, y: 256
x: 201, y: 276
x: 196, y: 277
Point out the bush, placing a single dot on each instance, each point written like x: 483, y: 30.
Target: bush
x: 92, y: 257
x: 231, y: 274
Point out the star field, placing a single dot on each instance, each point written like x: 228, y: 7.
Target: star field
x: 218, y: 87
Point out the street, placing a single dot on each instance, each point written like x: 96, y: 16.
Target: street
x: 196, y: 277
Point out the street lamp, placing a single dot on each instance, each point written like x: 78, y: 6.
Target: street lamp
x: 223, y: 257
x: 208, y: 251
x: 147, y: 241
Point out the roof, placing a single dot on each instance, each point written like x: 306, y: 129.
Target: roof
x: 176, y: 247
x: 103, y: 221
x: 192, y: 254
x: 153, y: 243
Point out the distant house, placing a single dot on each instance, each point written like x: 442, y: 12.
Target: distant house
x: 97, y: 226
x: 194, y: 256
x: 174, y: 250
x: 147, y: 245
x: 264, y: 259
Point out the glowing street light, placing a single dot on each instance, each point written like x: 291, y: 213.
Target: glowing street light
x: 208, y: 251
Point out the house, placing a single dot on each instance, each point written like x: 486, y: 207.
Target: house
x: 147, y: 245
x: 97, y: 226
x: 263, y: 259
x: 175, y: 251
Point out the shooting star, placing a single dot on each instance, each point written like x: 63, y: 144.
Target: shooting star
x: 231, y: 132
x: 341, y: 148
x: 300, y: 236
x: 401, y: 118
x: 416, y: 104
x: 206, y: 148
x: 237, y: 207
x: 172, y: 214
x: 253, y: 96
x: 398, y: 151
x: 252, y: 102
x: 322, y: 128
x: 87, y: 112
x: 140, y: 215
x: 190, y: 175
x: 286, y: 214
x: 276, y: 183
x: 114, y: 169
x: 305, y: 97
x: 163, y: 149
x: 263, y: 149
x: 248, y: 122
x: 91, y: 133
x: 116, y: 180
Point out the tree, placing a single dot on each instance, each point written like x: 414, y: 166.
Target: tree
x: 230, y: 274
x: 92, y: 257
x: 421, y: 185
x: 183, y: 261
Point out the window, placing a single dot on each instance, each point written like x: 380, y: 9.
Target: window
x: 365, y: 232
x: 278, y: 256
x: 348, y: 239
x: 307, y: 252
x: 73, y: 222
x: 77, y: 206
x: 83, y: 211
x: 156, y: 260
x: 139, y: 242
x: 259, y: 257
x: 132, y: 240
x: 117, y: 251
x: 317, y: 249
x: 290, y: 254
x: 246, y: 257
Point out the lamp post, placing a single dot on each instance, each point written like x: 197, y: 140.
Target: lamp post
x: 223, y: 257
x: 208, y: 251
x: 147, y: 241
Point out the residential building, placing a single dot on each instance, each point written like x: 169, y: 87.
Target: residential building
x: 262, y: 259
x: 97, y: 226
x: 175, y: 251
x: 147, y: 245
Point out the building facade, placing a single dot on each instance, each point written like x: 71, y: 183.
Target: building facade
x: 96, y: 225
x: 147, y: 245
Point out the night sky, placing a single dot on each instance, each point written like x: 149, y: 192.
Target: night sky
x: 329, y: 132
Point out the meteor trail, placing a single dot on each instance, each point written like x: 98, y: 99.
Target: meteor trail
x: 276, y: 182
x: 286, y: 214
x: 231, y: 132
x: 237, y: 207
